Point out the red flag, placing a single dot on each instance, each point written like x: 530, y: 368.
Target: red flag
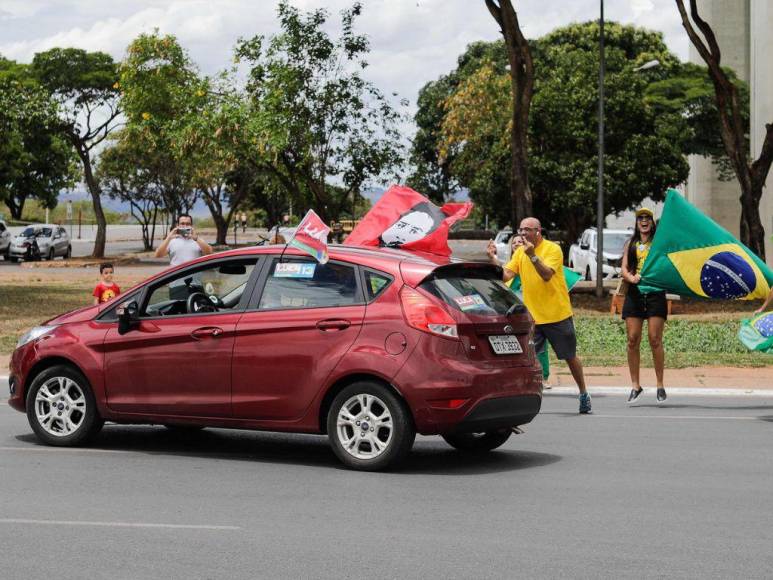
x: 405, y: 219
x: 311, y: 236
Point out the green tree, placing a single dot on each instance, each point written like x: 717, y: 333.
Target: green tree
x: 35, y: 162
x: 125, y: 174
x: 644, y: 149
x: 431, y: 173
x: 84, y: 84
x: 316, y: 121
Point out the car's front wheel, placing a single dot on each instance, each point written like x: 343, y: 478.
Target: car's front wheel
x: 51, y: 255
x: 478, y: 442
x: 369, y: 427
x: 61, y: 408
x: 68, y: 255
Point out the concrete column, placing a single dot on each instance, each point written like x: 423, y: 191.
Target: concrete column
x: 721, y: 199
x: 761, y: 86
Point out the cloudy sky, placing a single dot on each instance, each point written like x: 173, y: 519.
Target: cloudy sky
x: 413, y: 41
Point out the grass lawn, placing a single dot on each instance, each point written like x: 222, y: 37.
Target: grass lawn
x: 702, y: 333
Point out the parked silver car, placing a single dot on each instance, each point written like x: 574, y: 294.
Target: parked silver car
x: 40, y: 241
x: 5, y: 240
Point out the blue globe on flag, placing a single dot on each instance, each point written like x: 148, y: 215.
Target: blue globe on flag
x: 764, y: 324
x: 726, y: 275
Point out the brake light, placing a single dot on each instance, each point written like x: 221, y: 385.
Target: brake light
x: 426, y: 315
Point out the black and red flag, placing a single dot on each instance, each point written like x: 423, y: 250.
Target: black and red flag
x: 403, y: 218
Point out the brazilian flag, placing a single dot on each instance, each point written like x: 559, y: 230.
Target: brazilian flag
x: 692, y: 255
x: 757, y: 333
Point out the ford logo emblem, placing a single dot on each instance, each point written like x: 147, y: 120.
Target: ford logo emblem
x: 508, y: 329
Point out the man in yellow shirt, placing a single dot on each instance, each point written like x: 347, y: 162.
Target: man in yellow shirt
x: 539, y: 263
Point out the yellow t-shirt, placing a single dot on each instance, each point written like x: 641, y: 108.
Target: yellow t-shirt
x: 547, y: 301
x: 642, y: 251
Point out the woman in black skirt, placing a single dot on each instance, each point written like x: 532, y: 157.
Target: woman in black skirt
x: 639, y: 306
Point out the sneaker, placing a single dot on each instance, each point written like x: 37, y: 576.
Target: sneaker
x: 661, y: 395
x: 635, y: 395
x: 585, y: 406
x: 546, y: 386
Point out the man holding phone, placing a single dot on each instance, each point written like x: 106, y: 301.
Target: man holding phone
x: 539, y: 263
x: 183, y: 244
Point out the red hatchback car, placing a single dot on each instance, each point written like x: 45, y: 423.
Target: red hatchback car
x: 370, y: 348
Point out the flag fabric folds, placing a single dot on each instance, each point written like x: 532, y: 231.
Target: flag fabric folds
x: 311, y: 236
x: 692, y: 255
x: 403, y: 218
x: 757, y: 333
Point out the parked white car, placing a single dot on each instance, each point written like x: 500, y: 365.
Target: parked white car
x: 5, y: 240
x: 40, y: 241
x: 502, y: 242
x: 582, y: 255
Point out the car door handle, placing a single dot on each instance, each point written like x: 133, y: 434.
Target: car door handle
x: 333, y: 324
x: 204, y: 332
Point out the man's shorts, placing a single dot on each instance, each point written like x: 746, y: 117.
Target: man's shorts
x: 638, y: 305
x: 560, y: 335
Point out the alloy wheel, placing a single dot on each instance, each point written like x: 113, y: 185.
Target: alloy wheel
x: 364, y: 426
x: 60, y: 406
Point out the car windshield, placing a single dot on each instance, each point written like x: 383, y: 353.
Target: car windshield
x: 36, y: 232
x: 613, y: 243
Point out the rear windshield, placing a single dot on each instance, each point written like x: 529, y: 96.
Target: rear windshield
x: 481, y: 295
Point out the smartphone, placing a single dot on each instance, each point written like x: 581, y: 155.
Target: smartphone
x: 184, y: 232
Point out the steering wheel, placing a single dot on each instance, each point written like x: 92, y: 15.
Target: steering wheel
x: 198, y: 302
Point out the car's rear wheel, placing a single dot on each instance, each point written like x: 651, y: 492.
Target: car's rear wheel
x: 478, y: 442
x: 14, y: 259
x: 369, y: 427
x: 51, y: 255
x: 61, y: 408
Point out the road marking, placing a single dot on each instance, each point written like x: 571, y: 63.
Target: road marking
x: 672, y: 391
x: 114, y: 524
x: 705, y: 417
x: 4, y: 377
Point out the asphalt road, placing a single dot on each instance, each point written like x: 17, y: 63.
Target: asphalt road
x: 678, y: 491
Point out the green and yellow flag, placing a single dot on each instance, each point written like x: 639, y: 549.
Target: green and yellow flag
x: 692, y: 255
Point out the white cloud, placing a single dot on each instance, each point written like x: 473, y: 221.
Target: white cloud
x: 640, y: 7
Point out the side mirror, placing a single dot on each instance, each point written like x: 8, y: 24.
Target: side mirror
x: 128, y: 317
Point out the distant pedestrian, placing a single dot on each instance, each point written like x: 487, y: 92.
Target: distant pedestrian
x: 640, y: 306
x: 183, y: 243
x: 539, y: 263
x: 244, y: 222
x: 106, y: 289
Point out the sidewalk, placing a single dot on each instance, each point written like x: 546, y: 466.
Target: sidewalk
x: 742, y: 379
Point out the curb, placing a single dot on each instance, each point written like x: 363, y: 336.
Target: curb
x: 675, y: 391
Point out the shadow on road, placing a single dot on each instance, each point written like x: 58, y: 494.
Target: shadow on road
x: 427, y: 457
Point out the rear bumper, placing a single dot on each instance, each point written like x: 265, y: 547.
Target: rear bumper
x: 499, y: 413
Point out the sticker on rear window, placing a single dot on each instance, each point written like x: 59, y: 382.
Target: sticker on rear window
x: 294, y: 270
x: 470, y: 302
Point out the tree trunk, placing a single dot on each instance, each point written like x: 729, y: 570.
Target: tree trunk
x: 522, y: 89
x: 16, y: 208
x: 96, y: 200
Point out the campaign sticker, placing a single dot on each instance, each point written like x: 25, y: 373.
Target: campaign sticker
x: 470, y: 302
x: 294, y: 270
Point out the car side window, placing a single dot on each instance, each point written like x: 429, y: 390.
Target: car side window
x: 299, y: 283
x: 375, y: 284
x: 2, y: 228
x: 217, y: 287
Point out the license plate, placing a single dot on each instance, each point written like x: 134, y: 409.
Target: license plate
x: 505, y: 344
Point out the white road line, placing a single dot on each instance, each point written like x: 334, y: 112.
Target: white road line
x: 114, y: 524
x: 4, y: 377
x: 672, y: 391
x: 679, y: 417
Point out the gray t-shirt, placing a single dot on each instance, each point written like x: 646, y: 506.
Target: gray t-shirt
x: 183, y: 250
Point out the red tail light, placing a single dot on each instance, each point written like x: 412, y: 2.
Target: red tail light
x: 426, y: 315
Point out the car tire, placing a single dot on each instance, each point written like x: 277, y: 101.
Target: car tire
x: 51, y: 255
x: 68, y: 255
x: 587, y: 274
x: 388, y: 434
x: 478, y: 442
x: 63, y: 390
